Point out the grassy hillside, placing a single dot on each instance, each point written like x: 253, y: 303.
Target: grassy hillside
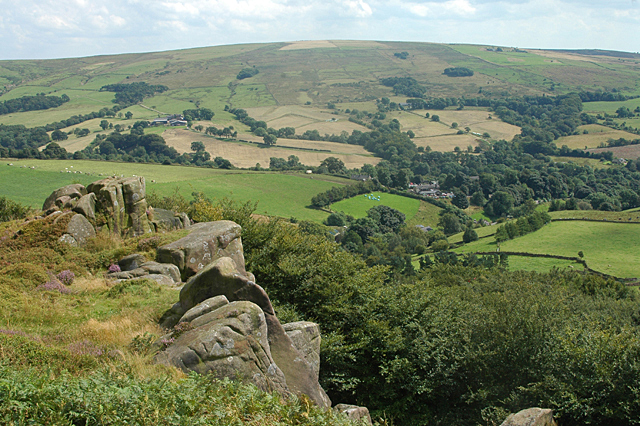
x: 301, y: 73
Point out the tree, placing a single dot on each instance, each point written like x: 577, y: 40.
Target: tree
x: 58, y: 135
x: 128, y: 115
x: 469, y: 235
x: 333, y: 165
x: 501, y: 203
x: 435, y: 118
x: 197, y: 146
x: 270, y: 140
x: 459, y: 200
x: 104, y: 124
x: 450, y: 223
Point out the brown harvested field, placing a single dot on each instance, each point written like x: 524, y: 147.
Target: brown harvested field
x: 447, y: 142
x: 597, y: 134
x: 247, y: 155
x: 629, y: 152
x: 422, y: 126
x: 304, y: 118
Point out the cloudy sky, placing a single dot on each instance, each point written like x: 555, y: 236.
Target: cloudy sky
x: 32, y: 29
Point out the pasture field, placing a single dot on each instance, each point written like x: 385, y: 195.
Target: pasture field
x: 484, y: 231
x: 427, y: 215
x: 597, y: 134
x: 357, y: 206
x: 242, y: 154
x: 278, y: 194
x: 630, y: 152
x: 610, y: 107
x: 611, y: 248
x: 592, y: 162
x: 632, y: 215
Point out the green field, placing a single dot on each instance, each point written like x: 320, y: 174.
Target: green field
x: 357, y: 206
x: 611, y: 248
x: 277, y: 194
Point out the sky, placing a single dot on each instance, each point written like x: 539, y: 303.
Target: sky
x: 45, y: 29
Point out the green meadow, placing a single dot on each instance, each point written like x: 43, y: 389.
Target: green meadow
x: 277, y: 194
x: 357, y: 206
x: 611, y: 248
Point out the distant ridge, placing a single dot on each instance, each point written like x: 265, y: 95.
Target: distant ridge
x: 597, y: 52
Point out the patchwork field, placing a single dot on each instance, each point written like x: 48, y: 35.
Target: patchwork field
x: 304, y: 118
x: 277, y: 194
x: 596, y: 135
x: 611, y: 248
x: 245, y: 155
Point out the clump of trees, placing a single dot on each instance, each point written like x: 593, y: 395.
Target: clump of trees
x: 198, y: 114
x: 32, y: 103
x: 458, y: 72
x: 133, y: 93
x: 247, y: 73
x: 407, y: 86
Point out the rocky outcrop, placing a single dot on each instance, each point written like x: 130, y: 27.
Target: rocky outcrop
x: 531, y: 417
x: 305, y: 336
x: 115, y: 204
x: 79, y: 230
x: 167, y: 220
x: 232, y: 342
x: 122, y: 202
x: 222, y: 277
x: 61, y: 196
x: 207, y: 242
x: 135, y: 266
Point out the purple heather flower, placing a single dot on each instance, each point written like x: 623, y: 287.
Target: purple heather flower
x: 114, y: 268
x: 66, y: 277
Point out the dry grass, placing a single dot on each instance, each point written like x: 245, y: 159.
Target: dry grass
x: 630, y: 152
x: 447, y: 142
x: 246, y: 155
x: 597, y: 134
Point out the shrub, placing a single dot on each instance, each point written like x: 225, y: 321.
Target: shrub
x: 114, y: 268
x: 66, y: 277
x: 10, y: 210
x: 53, y: 285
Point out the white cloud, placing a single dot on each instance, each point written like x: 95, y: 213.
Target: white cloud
x: 434, y: 9
x: 50, y: 28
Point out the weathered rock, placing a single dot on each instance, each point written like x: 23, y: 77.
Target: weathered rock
x: 221, y: 277
x: 354, y: 412
x: 205, y: 307
x: 65, y: 202
x: 80, y: 229
x: 207, y: 242
x: 159, y: 278
x: 86, y: 206
x: 73, y: 191
x: 531, y: 417
x: 131, y: 262
x: 168, y: 269
x: 305, y: 336
x: 228, y: 342
x: 68, y: 239
x: 167, y: 220
x: 121, y: 201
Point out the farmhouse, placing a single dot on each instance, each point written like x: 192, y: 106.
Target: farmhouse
x: 171, y: 120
